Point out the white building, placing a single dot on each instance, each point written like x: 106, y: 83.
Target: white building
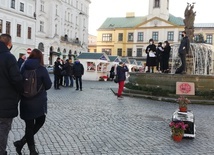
x: 17, y: 19
x: 56, y: 27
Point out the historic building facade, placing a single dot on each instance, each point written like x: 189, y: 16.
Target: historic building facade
x: 59, y: 28
x: 129, y: 36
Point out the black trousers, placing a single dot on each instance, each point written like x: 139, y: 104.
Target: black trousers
x: 78, y: 82
x: 32, y: 127
x: 56, y: 81
x: 183, y: 63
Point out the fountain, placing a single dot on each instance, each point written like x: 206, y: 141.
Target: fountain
x: 199, y: 67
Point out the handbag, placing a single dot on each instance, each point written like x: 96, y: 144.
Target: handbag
x: 116, y: 79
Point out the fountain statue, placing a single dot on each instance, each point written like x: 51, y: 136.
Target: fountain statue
x: 189, y: 15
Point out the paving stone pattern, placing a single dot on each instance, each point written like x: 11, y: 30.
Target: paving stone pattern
x: 95, y: 122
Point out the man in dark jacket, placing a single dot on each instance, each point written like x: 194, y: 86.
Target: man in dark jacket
x: 183, y: 51
x: 10, y: 87
x: 78, y: 71
x: 121, y: 75
x: 57, y: 73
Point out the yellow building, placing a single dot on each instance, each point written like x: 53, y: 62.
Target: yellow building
x: 129, y: 36
x: 92, y: 43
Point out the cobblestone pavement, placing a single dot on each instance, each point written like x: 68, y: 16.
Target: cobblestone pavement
x: 95, y: 122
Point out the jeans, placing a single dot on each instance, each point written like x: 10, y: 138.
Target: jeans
x: 71, y: 81
x: 78, y: 82
x: 120, y: 89
x: 66, y: 80
x: 32, y: 127
x: 5, y: 126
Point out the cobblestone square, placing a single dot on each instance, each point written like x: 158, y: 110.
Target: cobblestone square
x: 95, y: 122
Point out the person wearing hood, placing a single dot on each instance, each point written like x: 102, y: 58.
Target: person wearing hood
x: 11, y: 86
x: 78, y: 71
x: 33, y: 110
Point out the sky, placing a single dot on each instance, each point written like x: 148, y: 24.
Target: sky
x: 99, y: 10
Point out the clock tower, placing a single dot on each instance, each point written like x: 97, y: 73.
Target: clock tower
x: 158, y: 8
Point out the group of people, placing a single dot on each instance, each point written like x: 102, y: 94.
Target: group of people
x: 158, y: 56
x: 65, y: 72
x: 33, y: 109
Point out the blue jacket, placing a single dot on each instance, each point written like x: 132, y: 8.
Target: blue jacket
x: 121, y: 73
x: 31, y: 108
x: 10, y: 83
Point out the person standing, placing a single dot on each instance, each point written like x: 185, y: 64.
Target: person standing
x: 70, y: 73
x: 151, y: 57
x: 165, y: 57
x: 121, y: 75
x: 10, y: 88
x: 33, y: 109
x: 159, y: 55
x: 112, y: 72
x: 183, y: 51
x: 57, y: 73
x: 21, y: 60
x: 78, y: 71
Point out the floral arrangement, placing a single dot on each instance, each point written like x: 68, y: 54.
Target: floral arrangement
x: 182, y: 101
x: 178, y: 128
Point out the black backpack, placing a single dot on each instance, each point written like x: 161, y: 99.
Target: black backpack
x: 30, y: 83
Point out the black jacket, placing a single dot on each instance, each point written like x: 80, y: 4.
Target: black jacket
x: 57, y: 68
x: 184, y: 43
x: 121, y: 73
x: 10, y: 83
x: 78, y: 69
x: 34, y: 107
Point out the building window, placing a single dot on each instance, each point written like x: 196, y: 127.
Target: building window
x: 18, y: 30
x: 120, y: 37
x: 8, y: 25
x: 170, y: 36
x: 56, y: 9
x: 129, y: 52
x: 77, y: 4
x: 107, y: 37
x: 95, y: 50
x: 107, y: 51
x: 22, y: 7
x: 139, y: 52
x: 140, y: 36
x: 41, y: 26
x: 130, y: 36
x: 29, y: 33
x: 41, y: 47
x: 209, y: 39
x: 12, y: 5
x: 119, y: 51
x: 155, y: 36
x: 1, y: 25
x: 180, y: 35
x: 42, y: 6
x: 156, y: 3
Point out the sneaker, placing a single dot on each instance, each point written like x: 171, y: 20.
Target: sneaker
x: 77, y: 89
x: 119, y: 97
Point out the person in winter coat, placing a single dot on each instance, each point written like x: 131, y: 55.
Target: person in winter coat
x: 151, y: 57
x: 10, y: 88
x: 183, y: 51
x: 33, y: 110
x: 112, y: 72
x: 159, y: 55
x: 78, y: 71
x: 121, y: 75
x: 57, y: 73
x: 69, y: 72
x: 165, y: 57
x: 21, y: 60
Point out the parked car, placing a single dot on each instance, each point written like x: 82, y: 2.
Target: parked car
x: 50, y: 69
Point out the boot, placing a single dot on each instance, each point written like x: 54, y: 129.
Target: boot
x: 19, y: 145
x: 33, y: 150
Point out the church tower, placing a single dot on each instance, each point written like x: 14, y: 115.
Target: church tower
x: 158, y: 8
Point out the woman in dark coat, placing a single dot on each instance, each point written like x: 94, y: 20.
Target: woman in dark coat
x: 166, y: 54
x: 151, y: 57
x: 33, y: 110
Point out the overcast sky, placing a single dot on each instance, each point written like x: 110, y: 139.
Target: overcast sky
x: 99, y: 10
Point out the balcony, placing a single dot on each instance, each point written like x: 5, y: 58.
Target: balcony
x: 70, y: 41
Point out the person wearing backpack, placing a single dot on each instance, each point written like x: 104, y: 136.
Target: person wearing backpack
x: 10, y: 88
x: 33, y: 106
